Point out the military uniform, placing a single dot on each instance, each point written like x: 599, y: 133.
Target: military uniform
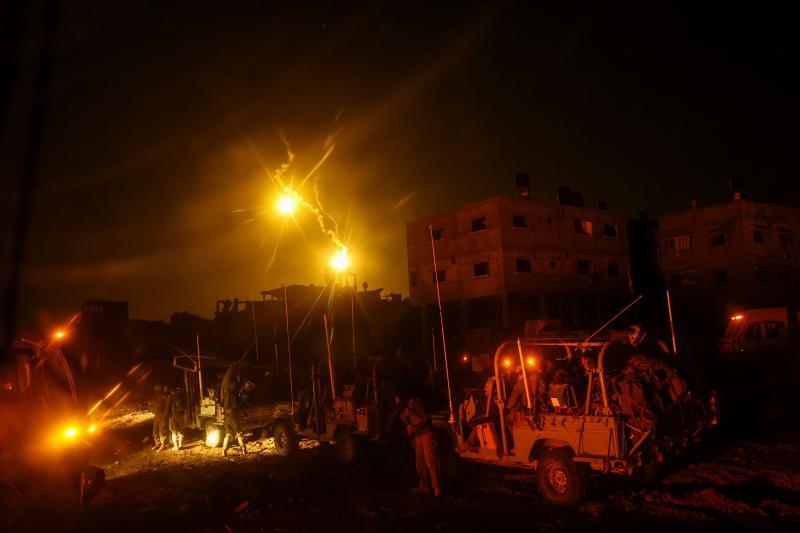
x: 232, y: 405
x: 176, y: 412
x: 421, y: 429
x: 157, y: 406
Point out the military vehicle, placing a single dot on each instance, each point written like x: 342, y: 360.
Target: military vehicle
x: 267, y: 411
x: 45, y: 442
x: 565, y: 435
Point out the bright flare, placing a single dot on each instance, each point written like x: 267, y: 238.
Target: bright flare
x: 340, y: 261
x: 287, y: 204
x: 59, y: 334
x: 70, y: 433
x: 530, y: 361
x: 92, y: 428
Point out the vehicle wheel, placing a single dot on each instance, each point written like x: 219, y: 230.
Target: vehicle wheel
x: 561, y: 481
x: 214, y: 434
x: 346, y: 447
x: 285, y: 440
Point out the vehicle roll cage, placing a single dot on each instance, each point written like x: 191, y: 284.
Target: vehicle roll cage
x: 568, y: 346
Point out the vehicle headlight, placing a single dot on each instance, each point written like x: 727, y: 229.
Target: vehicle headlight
x: 212, y: 438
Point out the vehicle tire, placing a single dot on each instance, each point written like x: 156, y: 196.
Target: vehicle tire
x: 211, y: 440
x: 285, y: 439
x: 347, y: 447
x: 561, y: 481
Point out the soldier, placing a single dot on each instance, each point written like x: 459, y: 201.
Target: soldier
x: 157, y: 406
x: 232, y: 406
x: 419, y: 426
x: 176, y: 411
x: 646, y: 344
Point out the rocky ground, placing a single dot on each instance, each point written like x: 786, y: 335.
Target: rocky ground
x: 745, y: 482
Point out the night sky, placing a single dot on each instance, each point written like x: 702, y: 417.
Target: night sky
x: 161, y: 120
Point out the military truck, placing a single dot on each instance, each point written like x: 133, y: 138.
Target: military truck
x: 761, y: 329
x: 364, y: 412
x: 564, y: 437
x: 267, y: 410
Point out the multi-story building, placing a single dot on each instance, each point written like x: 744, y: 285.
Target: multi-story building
x: 740, y: 252
x: 503, y: 261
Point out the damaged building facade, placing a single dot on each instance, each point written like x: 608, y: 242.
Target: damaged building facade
x: 740, y: 253
x: 505, y: 260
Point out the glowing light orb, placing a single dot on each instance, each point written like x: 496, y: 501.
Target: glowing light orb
x: 213, y: 438
x: 340, y: 261
x: 530, y: 361
x: 70, y: 433
x: 92, y: 428
x: 507, y: 362
x: 287, y: 204
x: 59, y: 334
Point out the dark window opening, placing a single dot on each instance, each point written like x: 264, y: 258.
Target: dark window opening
x: 441, y: 275
x: 718, y: 239
x: 753, y: 331
x: 548, y: 221
x: 552, y: 264
x: 519, y: 221
x: 721, y: 277
x: 585, y: 267
x: 413, y: 279
x: 480, y: 269
x: 610, y: 230
x: 438, y: 234
x: 772, y: 329
x: 684, y: 278
x: 759, y: 274
x: 758, y: 237
x: 613, y: 269
x: 478, y: 224
x: 524, y: 266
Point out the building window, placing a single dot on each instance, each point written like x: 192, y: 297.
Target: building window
x: 613, y: 269
x: 583, y: 226
x: 758, y: 237
x: 759, y: 274
x: 524, y: 266
x: 717, y: 240
x: 438, y: 233
x: 785, y: 238
x: 585, y: 267
x: 413, y: 279
x: 772, y: 329
x: 548, y: 221
x: 721, y: 276
x: 684, y: 278
x: 681, y: 242
x: 610, y: 230
x: 519, y: 221
x: 553, y: 264
x: 478, y: 224
x: 480, y: 269
x: 441, y: 275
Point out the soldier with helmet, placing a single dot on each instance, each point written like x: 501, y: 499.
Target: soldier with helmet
x: 158, y: 405
x: 176, y: 412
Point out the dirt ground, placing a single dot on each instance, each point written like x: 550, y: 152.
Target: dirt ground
x: 743, y: 484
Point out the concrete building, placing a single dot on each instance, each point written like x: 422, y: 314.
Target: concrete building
x: 504, y: 260
x: 743, y: 253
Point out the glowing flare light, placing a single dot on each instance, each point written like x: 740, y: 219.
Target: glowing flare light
x: 287, y: 204
x: 340, y: 261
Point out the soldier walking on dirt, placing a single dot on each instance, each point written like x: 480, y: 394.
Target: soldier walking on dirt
x: 157, y: 405
x: 232, y: 406
x: 419, y: 426
x: 176, y: 411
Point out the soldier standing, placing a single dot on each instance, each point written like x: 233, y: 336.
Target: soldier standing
x: 232, y: 406
x: 419, y: 426
x: 176, y: 410
x: 157, y: 406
